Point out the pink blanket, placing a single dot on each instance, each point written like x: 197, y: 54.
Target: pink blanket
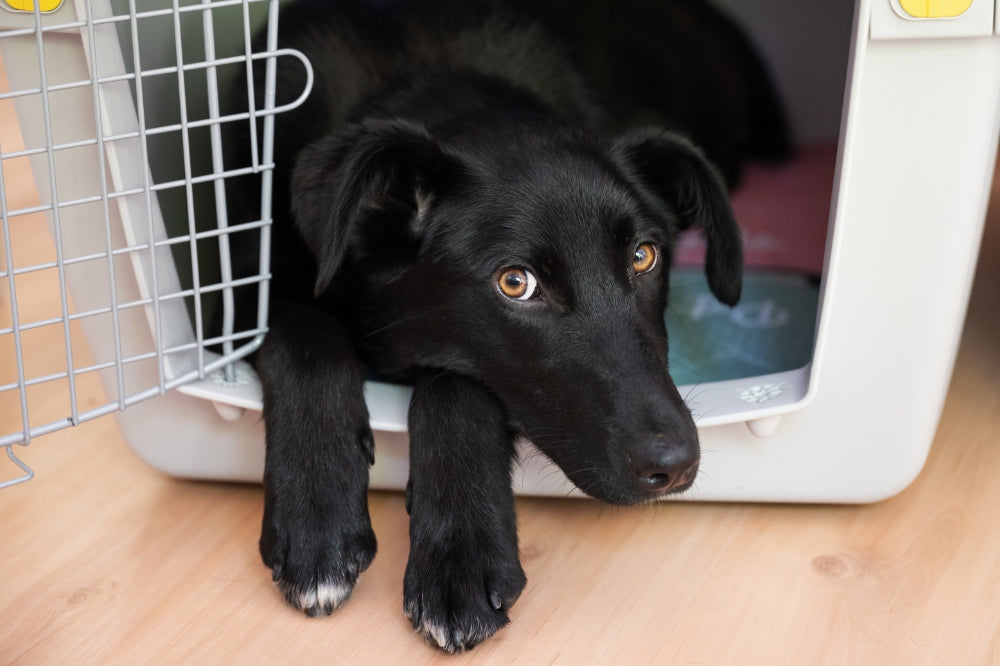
x: 783, y: 211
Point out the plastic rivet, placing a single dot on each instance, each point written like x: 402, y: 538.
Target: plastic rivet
x: 764, y: 427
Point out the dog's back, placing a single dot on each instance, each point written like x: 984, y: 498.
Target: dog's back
x: 358, y: 50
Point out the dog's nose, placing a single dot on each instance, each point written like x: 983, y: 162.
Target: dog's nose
x: 660, y: 466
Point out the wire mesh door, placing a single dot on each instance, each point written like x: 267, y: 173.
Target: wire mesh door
x: 117, y: 151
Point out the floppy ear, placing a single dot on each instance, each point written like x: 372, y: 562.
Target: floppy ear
x: 374, y: 181
x: 675, y: 174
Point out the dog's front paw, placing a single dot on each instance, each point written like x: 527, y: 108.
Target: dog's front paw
x: 315, y: 565
x: 457, y: 592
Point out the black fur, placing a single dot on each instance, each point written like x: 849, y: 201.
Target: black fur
x: 678, y: 62
x: 444, y: 142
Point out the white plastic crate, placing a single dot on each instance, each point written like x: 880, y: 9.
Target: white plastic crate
x: 911, y: 104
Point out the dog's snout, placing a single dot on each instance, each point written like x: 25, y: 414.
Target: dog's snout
x: 661, y: 466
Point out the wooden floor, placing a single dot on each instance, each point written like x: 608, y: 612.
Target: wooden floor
x: 103, y: 560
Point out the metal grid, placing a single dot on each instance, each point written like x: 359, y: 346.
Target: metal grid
x: 122, y: 127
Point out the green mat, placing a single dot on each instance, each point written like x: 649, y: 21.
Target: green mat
x: 770, y: 330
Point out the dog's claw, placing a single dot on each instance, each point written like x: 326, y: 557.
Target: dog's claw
x: 452, y: 641
x: 495, y: 600
x: 367, y: 442
x: 412, y: 612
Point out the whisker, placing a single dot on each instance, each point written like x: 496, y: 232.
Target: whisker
x: 403, y: 320
x: 433, y: 379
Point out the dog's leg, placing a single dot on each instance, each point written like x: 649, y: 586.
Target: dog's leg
x: 463, y: 573
x: 316, y: 534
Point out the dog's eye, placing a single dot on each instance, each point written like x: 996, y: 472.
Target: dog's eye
x: 644, y: 258
x: 517, y: 283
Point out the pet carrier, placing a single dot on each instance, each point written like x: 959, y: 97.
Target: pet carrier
x: 824, y: 384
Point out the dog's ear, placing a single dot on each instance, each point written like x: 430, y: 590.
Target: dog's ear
x: 675, y: 174
x: 376, y: 179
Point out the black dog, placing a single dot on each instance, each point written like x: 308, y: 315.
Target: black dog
x: 455, y: 221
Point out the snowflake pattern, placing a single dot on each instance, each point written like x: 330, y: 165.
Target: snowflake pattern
x: 762, y: 392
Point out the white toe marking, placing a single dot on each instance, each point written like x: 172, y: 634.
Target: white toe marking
x: 437, y: 632
x: 333, y: 594
x: 307, y: 598
x: 325, y: 594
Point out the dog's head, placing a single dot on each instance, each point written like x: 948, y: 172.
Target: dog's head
x: 535, y: 259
